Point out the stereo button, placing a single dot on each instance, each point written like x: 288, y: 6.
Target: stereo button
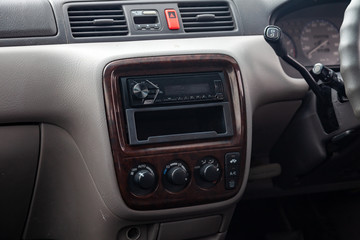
x: 218, y: 86
x: 219, y: 96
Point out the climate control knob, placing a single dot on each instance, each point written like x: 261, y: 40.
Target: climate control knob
x: 177, y: 175
x: 209, y: 172
x: 145, y: 179
x: 140, y: 90
x: 142, y: 179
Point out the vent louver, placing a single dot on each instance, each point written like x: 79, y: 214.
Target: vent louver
x: 97, y: 21
x: 206, y: 16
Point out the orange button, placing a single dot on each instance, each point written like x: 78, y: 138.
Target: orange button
x: 172, y: 19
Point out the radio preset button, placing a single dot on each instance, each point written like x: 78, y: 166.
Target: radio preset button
x: 220, y: 96
x: 218, y: 86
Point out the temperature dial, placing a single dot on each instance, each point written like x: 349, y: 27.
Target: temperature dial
x: 140, y: 90
x: 176, y: 176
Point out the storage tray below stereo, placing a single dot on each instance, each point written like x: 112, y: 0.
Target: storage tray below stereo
x: 178, y: 123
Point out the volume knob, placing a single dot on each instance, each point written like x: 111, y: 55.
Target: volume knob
x: 140, y: 90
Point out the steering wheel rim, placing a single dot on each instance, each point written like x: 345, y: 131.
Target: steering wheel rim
x: 350, y: 55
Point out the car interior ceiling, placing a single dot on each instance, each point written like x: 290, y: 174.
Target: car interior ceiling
x: 186, y: 119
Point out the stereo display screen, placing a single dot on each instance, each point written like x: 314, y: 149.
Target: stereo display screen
x: 187, y: 89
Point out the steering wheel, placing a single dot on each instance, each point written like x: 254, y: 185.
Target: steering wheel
x: 350, y: 55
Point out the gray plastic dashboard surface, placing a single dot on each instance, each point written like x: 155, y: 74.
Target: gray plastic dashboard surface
x: 31, y: 22
x: 26, y: 24
x: 62, y: 85
x: 250, y: 17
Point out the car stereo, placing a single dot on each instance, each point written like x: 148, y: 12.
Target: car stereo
x: 174, y: 89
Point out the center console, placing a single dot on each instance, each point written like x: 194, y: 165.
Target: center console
x: 177, y: 128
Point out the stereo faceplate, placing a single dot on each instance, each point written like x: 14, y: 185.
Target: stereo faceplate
x: 174, y: 89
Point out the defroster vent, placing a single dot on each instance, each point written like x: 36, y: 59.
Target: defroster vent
x: 100, y: 20
x: 206, y: 16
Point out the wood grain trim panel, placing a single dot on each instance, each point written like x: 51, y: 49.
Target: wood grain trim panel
x: 158, y: 155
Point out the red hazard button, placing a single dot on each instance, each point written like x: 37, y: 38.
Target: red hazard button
x: 172, y: 19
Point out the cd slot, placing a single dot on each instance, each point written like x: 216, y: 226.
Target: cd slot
x: 164, y: 124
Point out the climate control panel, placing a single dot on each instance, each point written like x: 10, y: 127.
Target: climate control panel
x: 176, y: 175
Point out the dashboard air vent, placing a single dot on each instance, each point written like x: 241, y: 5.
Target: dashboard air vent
x: 206, y: 16
x: 97, y: 21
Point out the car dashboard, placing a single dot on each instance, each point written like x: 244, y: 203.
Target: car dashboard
x: 151, y: 120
